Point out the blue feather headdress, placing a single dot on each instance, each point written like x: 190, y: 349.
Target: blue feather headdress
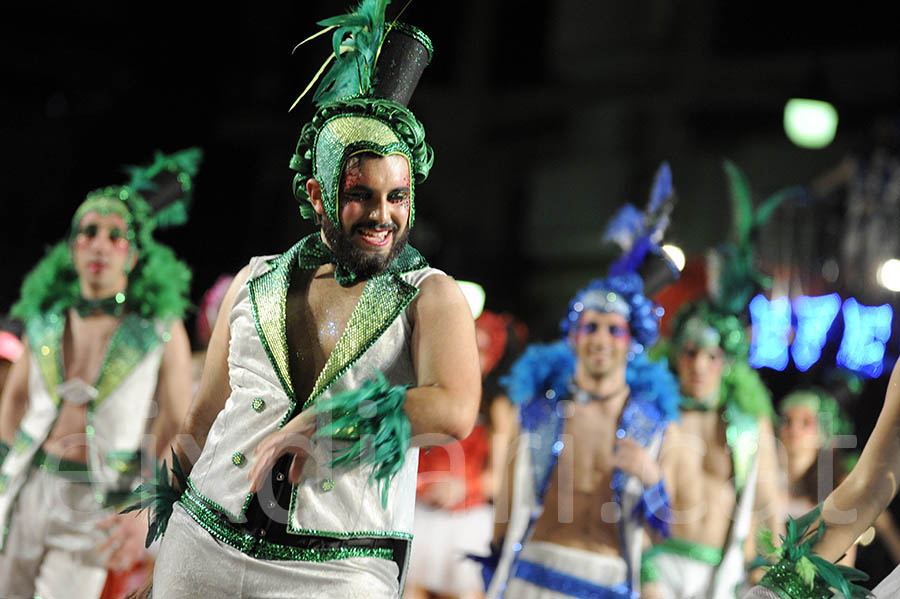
x: 639, y: 233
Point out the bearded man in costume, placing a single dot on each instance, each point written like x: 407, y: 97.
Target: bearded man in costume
x: 584, y: 480
x: 105, y: 378
x: 325, y: 361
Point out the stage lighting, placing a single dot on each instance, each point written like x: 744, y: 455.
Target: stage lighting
x: 474, y: 294
x: 889, y: 274
x: 810, y: 123
x: 675, y: 254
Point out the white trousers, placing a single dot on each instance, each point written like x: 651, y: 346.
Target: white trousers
x: 682, y: 577
x: 441, y: 541
x: 602, y: 570
x: 192, y: 564
x: 51, y: 548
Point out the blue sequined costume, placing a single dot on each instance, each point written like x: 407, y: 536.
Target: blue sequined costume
x: 538, y: 384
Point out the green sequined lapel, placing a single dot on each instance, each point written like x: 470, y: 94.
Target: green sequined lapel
x: 380, y: 303
x: 45, y: 338
x: 742, y: 436
x: 268, y: 298
x: 134, y: 337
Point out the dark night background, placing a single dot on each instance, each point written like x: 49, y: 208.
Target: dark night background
x: 544, y: 116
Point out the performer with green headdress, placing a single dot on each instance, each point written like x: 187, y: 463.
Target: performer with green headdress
x: 106, y: 377
x: 327, y: 360
x: 727, y: 410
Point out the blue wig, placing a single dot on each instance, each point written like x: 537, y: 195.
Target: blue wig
x: 625, y: 295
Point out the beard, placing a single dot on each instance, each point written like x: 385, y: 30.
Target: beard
x: 357, y: 261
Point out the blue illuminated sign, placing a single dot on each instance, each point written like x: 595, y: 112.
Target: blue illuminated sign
x: 867, y: 330
x: 815, y: 315
x: 771, y: 332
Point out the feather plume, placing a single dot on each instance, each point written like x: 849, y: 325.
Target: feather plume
x: 640, y: 233
x: 158, y: 496
x: 166, y: 184
x: 355, y: 42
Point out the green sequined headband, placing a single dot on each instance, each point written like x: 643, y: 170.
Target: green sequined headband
x: 345, y: 127
x: 703, y: 325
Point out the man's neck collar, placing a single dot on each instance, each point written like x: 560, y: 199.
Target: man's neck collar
x: 582, y: 396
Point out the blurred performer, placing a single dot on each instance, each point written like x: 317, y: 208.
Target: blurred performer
x: 453, y: 515
x: 327, y: 362
x: 106, y: 378
x: 207, y: 313
x: 593, y: 409
x: 10, y: 350
x: 810, y: 419
x: 722, y: 474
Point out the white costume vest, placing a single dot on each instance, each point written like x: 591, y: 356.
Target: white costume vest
x: 117, y: 417
x: 333, y: 503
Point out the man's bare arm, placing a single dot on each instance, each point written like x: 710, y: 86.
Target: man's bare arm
x: 768, y: 501
x: 14, y: 400
x: 445, y: 400
x: 214, y: 386
x: 173, y: 388
x: 870, y: 486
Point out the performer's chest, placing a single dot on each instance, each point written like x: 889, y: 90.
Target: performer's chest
x: 705, y: 462
x: 589, y: 437
x: 317, y: 313
x: 84, y: 347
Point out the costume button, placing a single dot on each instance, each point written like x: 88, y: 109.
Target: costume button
x: 327, y: 484
x: 258, y: 404
x: 238, y: 459
x: 279, y: 476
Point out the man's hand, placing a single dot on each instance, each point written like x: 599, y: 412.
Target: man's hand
x: 125, y: 542
x: 292, y: 438
x: 143, y: 591
x: 633, y: 459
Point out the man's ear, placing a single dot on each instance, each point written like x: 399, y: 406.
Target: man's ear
x: 314, y: 190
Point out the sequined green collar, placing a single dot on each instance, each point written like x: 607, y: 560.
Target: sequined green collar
x: 312, y: 253
x: 689, y: 404
x: 112, y: 305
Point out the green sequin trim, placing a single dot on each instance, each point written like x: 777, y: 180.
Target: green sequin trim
x: 197, y: 495
x: 268, y: 299
x: 784, y: 581
x: 21, y: 441
x: 134, y: 337
x: 327, y: 533
x: 4, y: 449
x: 695, y: 551
x: 344, y: 135
x: 4, y: 480
x: 259, y: 549
x: 124, y: 461
x: 380, y: 303
x: 742, y: 436
x: 44, y: 336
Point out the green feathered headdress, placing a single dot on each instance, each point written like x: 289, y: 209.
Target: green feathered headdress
x: 157, y: 195
x: 361, y: 103
x: 734, y: 277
